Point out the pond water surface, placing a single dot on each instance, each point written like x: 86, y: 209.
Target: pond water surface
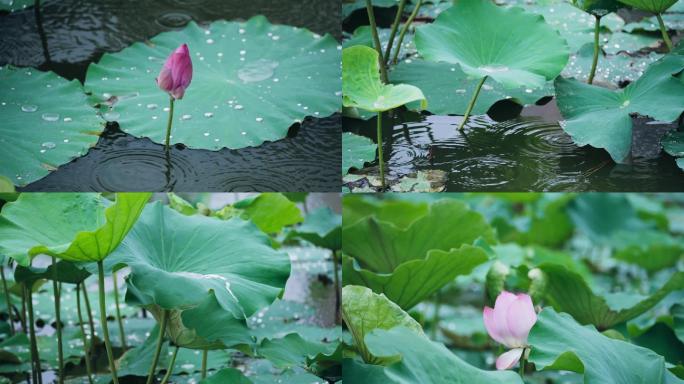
x: 65, y: 36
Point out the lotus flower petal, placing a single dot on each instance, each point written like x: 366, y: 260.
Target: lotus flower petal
x: 503, y: 302
x: 508, y: 359
x: 176, y: 74
x: 520, y: 319
x: 488, y: 315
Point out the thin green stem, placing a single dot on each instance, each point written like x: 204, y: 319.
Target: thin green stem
x: 393, y: 31
x: 381, y: 161
x: 168, y: 126
x: 58, y: 317
x: 119, y: 319
x: 160, y: 341
x: 91, y: 321
x: 32, y: 336
x: 8, y: 301
x: 597, y: 49
x: 663, y: 30
x: 336, y: 280
x: 86, y: 346
x: 205, y: 353
x: 522, y: 364
x: 376, y: 41
x: 404, y: 29
x: 24, y: 327
x: 471, y: 104
x: 172, y: 363
x: 103, y: 321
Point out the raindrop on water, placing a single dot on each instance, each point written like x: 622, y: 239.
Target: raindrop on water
x: 29, y: 108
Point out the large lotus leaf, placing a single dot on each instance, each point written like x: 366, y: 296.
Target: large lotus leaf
x: 614, y: 69
x: 601, y: 117
x: 227, y: 375
x: 210, y: 324
x: 70, y: 226
x: 655, y: 6
x: 136, y: 361
x: 271, y: 212
x: 363, y: 36
x: 46, y: 121
x: 398, y: 212
x: 294, y: 350
x: 560, y: 343
x: 66, y: 272
x: 597, y: 7
x: 568, y: 292
x: 175, y: 260
x: 251, y: 82
x: 356, y: 151
x: 361, y: 85
x: 651, y: 250
x: 601, y: 215
x: 15, y: 5
x: 425, y: 361
x: 449, y: 89
x: 322, y: 228
x: 514, y: 48
x: 382, y: 246
x: 415, y: 280
x: 363, y: 311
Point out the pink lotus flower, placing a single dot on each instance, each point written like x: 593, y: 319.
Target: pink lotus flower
x: 509, y: 323
x: 176, y: 74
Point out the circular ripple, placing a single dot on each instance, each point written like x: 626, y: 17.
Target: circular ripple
x: 173, y: 20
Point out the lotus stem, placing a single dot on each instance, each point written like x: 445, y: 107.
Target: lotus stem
x: 36, y: 370
x: 162, y: 331
x: 172, y: 363
x: 336, y: 280
x: 205, y: 353
x: 376, y: 41
x: 168, y: 126
x: 471, y: 104
x: 103, y: 320
x: 523, y: 360
x: 24, y: 327
x: 597, y: 48
x: 7, y: 300
x: 91, y: 322
x: 404, y: 29
x: 663, y: 30
x: 122, y: 334
x: 60, y: 351
x: 393, y: 31
x: 86, y: 347
x: 380, y: 158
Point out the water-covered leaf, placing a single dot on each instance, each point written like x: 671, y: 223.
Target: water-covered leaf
x: 514, y: 48
x: 46, y: 121
x: 70, y: 226
x: 361, y: 85
x: 601, y: 117
x: 356, y: 151
x: 251, y: 82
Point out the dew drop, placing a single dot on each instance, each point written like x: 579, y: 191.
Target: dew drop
x: 206, y: 134
x: 29, y: 108
x: 111, y: 116
x: 50, y: 116
x: 152, y: 106
x: 238, y: 106
x: 210, y: 41
x: 67, y: 119
x: 48, y: 145
x: 208, y: 115
x: 186, y: 117
x: 256, y: 71
x: 259, y: 119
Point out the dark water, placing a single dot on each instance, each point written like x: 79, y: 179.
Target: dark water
x: 67, y: 35
x: 527, y: 153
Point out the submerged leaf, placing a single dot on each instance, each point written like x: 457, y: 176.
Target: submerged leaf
x: 251, y: 82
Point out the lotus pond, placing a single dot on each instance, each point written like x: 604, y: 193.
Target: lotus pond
x: 512, y: 95
x: 513, y: 288
x: 192, y: 288
x: 81, y: 110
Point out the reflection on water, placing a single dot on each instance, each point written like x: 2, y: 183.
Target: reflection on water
x: 527, y: 153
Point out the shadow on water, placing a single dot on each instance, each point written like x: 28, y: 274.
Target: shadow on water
x: 526, y: 153
x: 73, y: 33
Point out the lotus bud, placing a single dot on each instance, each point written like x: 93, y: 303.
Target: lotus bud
x: 176, y: 74
x: 537, y: 284
x: 509, y: 323
x: 496, y: 279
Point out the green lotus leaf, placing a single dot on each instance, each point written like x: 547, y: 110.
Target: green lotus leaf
x: 585, y: 107
x: 227, y: 375
x: 560, y: 343
x: 322, y: 228
x: 176, y: 260
x: 415, y: 280
x: 46, y: 121
x: 271, y: 212
x: 293, y: 350
x: 673, y: 144
x: 67, y: 272
x: 363, y: 36
x: 398, y: 212
x: 209, y: 324
x: 251, y: 82
x: 654, y: 6
x: 567, y: 291
x: 425, y: 361
x: 355, y: 371
x: 136, y: 361
x: 15, y: 5
x: 363, y: 311
x: 449, y: 89
x: 651, y: 250
x: 349, y: 7
x: 599, y: 8
x: 71, y: 226
x: 514, y: 48
x: 362, y: 88
x: 382, y: 246
x: 356, y: 151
